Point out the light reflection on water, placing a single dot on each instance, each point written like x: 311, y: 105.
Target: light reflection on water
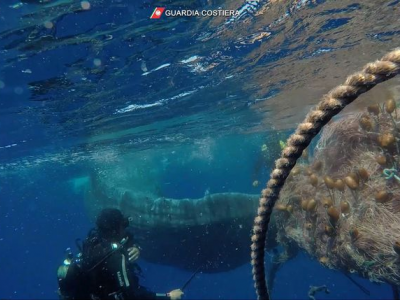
x: 109, y: 74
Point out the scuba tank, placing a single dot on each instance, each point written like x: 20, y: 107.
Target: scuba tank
x: 72, y: 281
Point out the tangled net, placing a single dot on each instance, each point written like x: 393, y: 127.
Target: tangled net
x: 330, y: 208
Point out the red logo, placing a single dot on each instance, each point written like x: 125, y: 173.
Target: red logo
x: 157, y: 13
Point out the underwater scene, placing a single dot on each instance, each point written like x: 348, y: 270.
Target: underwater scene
x: 199, y: 149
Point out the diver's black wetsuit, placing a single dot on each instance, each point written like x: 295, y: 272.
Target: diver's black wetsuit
x: 111, y: 276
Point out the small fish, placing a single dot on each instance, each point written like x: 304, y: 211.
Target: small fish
x: 282, y: 144
x: 143, y: 66
x: 17, y: 5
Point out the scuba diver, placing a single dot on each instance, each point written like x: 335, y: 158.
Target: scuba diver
x: 106, y: 268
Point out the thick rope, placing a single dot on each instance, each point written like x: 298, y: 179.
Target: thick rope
x: 330, y: 105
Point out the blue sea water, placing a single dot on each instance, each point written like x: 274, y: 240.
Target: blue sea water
x: 79, y: 88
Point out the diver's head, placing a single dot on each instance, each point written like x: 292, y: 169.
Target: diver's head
x: 111, y: 224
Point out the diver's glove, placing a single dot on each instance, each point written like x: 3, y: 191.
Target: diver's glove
x: 133, y: 253
x: 175, y: 294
